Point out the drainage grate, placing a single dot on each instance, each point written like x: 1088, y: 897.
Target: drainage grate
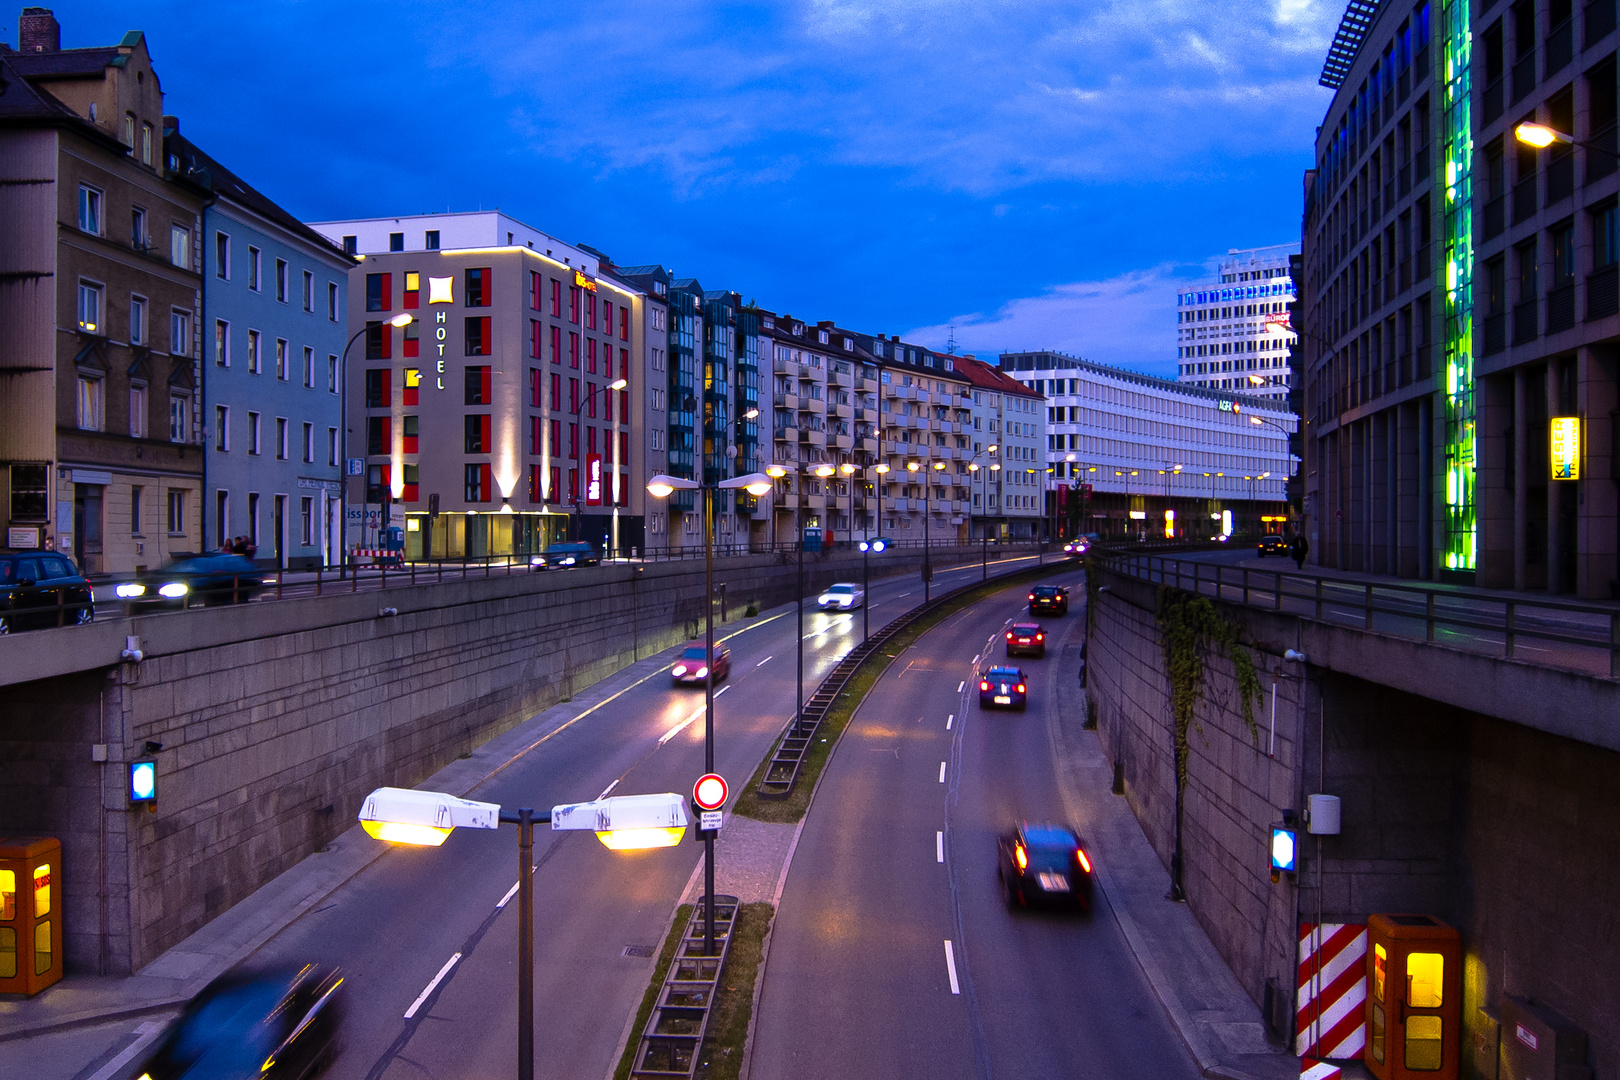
x: 643, y: 952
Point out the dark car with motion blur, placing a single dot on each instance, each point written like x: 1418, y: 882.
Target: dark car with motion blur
x: 1003, y: 687
x: 563, y: 555
x: 277, y: 1023
x: 1041, y: 863
x: 217, y: 577
x: 1026, y: 639
x: 1051, y: 599
x: 40, y: 589
x: 1271, y: 544
x: 690, y: 669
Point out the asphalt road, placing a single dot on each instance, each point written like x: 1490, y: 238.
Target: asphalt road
x: 398, y: 924
x: 893, y: 954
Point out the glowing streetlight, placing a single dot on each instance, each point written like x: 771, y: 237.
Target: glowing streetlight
x: 1540, y: 135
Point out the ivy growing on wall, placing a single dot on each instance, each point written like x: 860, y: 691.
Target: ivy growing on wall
x: 1191, y: 628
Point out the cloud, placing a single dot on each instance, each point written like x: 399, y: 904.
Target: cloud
x: 1127, y: 321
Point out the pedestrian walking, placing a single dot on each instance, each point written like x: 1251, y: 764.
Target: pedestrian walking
x: 1299, y: 547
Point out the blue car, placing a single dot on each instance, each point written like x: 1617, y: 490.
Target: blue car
x: 1002, y: 688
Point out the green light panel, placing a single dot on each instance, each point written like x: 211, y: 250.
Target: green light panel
x: 1456, y: 54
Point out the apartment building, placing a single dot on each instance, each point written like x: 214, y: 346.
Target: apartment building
x: 1008, y: 472
x: 1235, y: 333
x: 101, y: 302
x: 492, y: 422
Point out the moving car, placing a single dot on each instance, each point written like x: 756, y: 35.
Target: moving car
x: 1026, y: 638
x: 266, y: 1024
x: 1002, y: 686
x: 1052, y: 598
x: 1077, y: 547
x: 190, y: 580
x: 566, y: 554
x: 1271, y: 545
x: 42, y: 588
x: 1040, y: 863
x: 690, y: 669
x: 842, y: 597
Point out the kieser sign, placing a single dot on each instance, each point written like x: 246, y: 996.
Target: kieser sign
x: 593, y: 480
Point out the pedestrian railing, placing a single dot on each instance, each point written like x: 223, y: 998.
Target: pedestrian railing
x: 1552, y: 633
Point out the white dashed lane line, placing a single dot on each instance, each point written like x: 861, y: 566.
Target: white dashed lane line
x: 452, y: 962
x: 950, y: 967
x: 949, y: 719
x: 942, y: 772
x: 939, y: 847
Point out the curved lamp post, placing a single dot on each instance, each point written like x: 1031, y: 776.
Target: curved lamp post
x: 573, y: 495
x: 404, y: 318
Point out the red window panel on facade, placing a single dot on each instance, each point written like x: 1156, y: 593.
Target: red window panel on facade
x: 378, y: 435
x: 476, y: 434
x: 478, y: 336
x: 536, y: 287
x: 556, y: 344
x: 556, y: 440
x: 624, y: 363
x: 573, y: 441
x: 412, y: 345
x: 624, y: 447
x: 536, y: 339
x: 413, y: 385
x: 536, y: 435
x: 479, y: 287
x: 590, y: 312
x: 590, y: 440
x: 573, y: 486
x: 556, y: 479
x: 590, y: 401
x: 379, y: 391
x: 536, y: 493
x: 379, y: 341
x: 573, y: 396
x: 624, y: 324
x: 573, y: 350
x: 607, y: 405
x: 379, y: 292
x: 477, y: 385
x: 624, y: 406
x: 573, y: 304
x: 411, y: 298
x: 479, y: 487
x: 590, y: 355
x: 409, y: 438
x: 556, y: 391
x: 411, y: 490
x: 534, y: 388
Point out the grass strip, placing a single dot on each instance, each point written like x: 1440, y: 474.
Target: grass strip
x: 792, y: 808
x: 666, y: 957
x: 720, y: 1057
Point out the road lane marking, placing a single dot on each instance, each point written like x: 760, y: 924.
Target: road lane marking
x: 950, y: 967
x: 680, y: 727
x: 722, y: 690
x: 961, y: 686
x: 452, y: 962
x: 609, y: 789
x: 513, y: 890
x: 939, y: 847
x: 765, y: 661
x: 976, y: 657
x: 942, y: 772
x: 951, y: 717
x: 144, y: 1034
x: 902, y: 594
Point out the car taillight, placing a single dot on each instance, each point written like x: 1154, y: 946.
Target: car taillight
x: 1009, y: 635
x: 1040, y: 637
x: 1032, y: 596
x: 1085, y: 863
x: 1020, y: 688
x: 1023, y: 859
x: 983, y: 684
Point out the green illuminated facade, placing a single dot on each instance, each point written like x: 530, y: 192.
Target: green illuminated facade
x: 1456, y: 55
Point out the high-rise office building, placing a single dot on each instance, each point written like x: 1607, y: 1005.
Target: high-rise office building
x: 1234, y: 333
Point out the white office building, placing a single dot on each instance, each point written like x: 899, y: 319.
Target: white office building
x: 1234, y: 334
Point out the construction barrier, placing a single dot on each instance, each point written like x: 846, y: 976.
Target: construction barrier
x: 1331, y: 1017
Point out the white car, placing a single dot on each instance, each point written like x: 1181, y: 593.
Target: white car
x: 842, y: 597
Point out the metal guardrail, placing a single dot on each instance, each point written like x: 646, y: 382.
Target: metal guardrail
x: 673, y: 1037
x: 788, y: 759
x: 1572, y: 636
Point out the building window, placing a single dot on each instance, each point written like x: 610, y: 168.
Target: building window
x: 90, y: 403
x: 90, y: 207
x: 331, y: 373
x: 177, y: 512
x: 478, y: 287
x: 254, y: 432
x: 431, y: 241
x: 556, y: 299
x: 476, y: 433
x: 412, y: 297
x: 309, y: 444
x: 180, y: 247
x: 476, y: 385
x: 281, y: 280
x: 477, y: 483
x: 90, y: 308
x: 410, y: 436
x: 478, y: 336
x: 379, y: 341
x: 137, y: 320
x: 222, y: 428
x: 306, y: 514
x: 350, y: 245
x: 411, y: 332
x: 396, y: 241
x: 146, y: 144
x: 222, y: 256
x: 281, y: 438
x: 411, y: 388
x: 179, y: 418
x: 255, y: 352
x: 137, y: 411
x: 309, y: 292
x: 309, y: 367
x: 135, y: 510
x: 255, y: 269
x: 253, y: 519
x: 378, y: 441
x: 332, y: 301
x: 138, y: 237
x: 222, y: 343
x: 331, y: 446
x: 281, y: 359
x: 378, y: 390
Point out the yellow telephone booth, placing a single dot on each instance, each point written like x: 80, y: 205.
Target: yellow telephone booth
x: 1414, y: 998
x: 30, y: 913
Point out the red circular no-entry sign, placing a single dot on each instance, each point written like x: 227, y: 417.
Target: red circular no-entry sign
x: 710, y: 791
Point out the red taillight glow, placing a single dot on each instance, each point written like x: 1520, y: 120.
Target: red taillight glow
x: 984, y: 685
x: 1023, y: 859
x: 1040, y: 637
x: 1020, y: 688
x: 1032, y: 596
x: 1085, y: 863
x: 1009, y: 635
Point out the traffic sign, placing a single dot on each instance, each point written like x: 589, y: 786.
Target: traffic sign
x: 709, y: 792
x: 709, y: 820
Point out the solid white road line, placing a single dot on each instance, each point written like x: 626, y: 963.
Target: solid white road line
x: 942, y: 772
x: 452, y: 962
x: 939, y: 847
x: 680, y: 727
x: 609, y: 789
x: 144, y: 1034
x: 765, y: 661
x: 513, y: 890
x: 952, y: 717
x: 950, y: 967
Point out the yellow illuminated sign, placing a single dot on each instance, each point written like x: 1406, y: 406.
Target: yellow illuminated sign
x: 584, y: 282
x: 439, y: 290
x: 1565, y: 456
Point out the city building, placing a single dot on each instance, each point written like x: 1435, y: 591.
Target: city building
x: 101, y: 303
x: 1460, y: 298
x: 490, y: 423
x: 275, y: 293
x: 1234, y: 334
x: 1009, y: 470
x: 1132, y: 454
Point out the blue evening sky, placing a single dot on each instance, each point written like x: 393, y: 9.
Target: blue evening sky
x: 1040, y: 175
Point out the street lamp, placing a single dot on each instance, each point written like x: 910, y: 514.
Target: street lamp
x: 777, y: 472
x: 848, y: 469
x: 622, y: 823
x: 404, y: 318
x: 662, y: 486
x: 867, y: 547
x: 579, y: 406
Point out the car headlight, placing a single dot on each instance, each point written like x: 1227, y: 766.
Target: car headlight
x: 568, y: 561
x: 701, y: 672
x: 131, y: 590
x: 679, y: 669
x: 538, y: 560
x: 174, y: 590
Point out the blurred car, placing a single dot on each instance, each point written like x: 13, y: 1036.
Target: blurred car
x: 842, y: 597
x: 1052, y: 598
x: 265, y: 1024
x: 215, y: 578
x: 1026, y: 639
x: 1042, y: 863
x: 691, y: 670
x: 1003, y: 686
x: 40, y: 589
x: 1271, y: 545
x: 1077, y: 547
x: 563, y: 555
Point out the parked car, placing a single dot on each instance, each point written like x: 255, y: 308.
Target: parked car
x: 192, y: 580
x: 1050, y: 598
x: 1004, y: 687
x: 1271, y: 545
x: 842, y: 597
x: 690, y: 669
x: 566, y: 554
x: 265, y: 1024
x: 43, y: 588
x: 1040, y: 863
x: 1026, y: 639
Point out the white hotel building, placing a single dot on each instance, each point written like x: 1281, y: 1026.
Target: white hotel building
x: 1160, y: 457
x: 1235, y: 334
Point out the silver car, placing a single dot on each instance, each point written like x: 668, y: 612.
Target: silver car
x: 842, y: 597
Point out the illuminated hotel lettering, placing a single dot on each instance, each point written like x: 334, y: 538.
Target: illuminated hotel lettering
x: 593, y: 479
x: 439, y: 332
x: 440, y: 292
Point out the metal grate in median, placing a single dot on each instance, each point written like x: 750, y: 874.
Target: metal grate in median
x: 673, y: 1037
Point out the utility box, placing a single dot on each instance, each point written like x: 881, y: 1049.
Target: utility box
x: 1414, y: 998
x: 1539, y: 1044
x: 1322, y: 815
x: 30, y: 913
x: 812, y: 538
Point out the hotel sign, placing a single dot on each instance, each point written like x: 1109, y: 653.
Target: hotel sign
x: 593, y: 480
x: 440, y: 292
x: 1566, y: 448
x: 584, y: 282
